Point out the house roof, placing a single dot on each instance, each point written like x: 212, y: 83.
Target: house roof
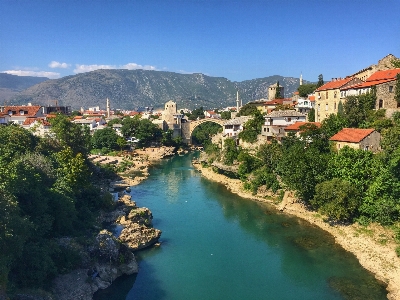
x: 29, y: 121
x: 284, y: 113
x: 29, y: 110
x: 311, y: 98
x: 378, y: 77
x: 351, y: 135
x: 238, y: 120
x: 335, y: 84
x: 296, y: 125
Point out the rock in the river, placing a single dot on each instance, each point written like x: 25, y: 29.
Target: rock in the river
x: 137, y: 236
x: 140, y: 215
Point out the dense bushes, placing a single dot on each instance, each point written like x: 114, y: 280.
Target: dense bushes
x: 45, y: 193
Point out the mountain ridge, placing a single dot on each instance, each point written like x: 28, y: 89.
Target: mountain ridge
x: 129, y: 89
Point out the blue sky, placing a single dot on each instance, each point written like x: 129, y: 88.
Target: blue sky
x: 238, y: 40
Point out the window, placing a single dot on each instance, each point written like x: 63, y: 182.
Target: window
x: 380, y: 104
x: 268, y: 129
x: 390, y: 89
x: 334, y: 95
x: 289, y: 119
x: 326, y: 106
x: 265, y: 129
x: 326, y: 94
x: 318, y: 107
x: 334, y: 106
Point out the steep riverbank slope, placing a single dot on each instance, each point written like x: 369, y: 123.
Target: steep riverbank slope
x: 372, y: 246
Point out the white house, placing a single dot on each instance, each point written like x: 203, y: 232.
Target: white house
x: 18, y: 114
x: 304, y: 105
x: 38, y: 126
x: 233, y: 126
x: 276, y: 121
x: 91, y: 123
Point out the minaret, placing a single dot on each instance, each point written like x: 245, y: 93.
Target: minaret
x: 108, y: 108
x: 301, y: 78
x: 237, y: 101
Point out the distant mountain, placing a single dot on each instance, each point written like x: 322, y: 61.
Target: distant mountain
x: 11, y: 85
x: 129, y: 89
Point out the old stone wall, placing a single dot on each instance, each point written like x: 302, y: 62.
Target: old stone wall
x: 385, y: 96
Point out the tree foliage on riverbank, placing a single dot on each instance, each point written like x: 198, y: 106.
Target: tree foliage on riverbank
x: 45, y: 194
x: 346, y: 185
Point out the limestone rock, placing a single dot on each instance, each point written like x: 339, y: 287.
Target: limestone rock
x: 137, y: 236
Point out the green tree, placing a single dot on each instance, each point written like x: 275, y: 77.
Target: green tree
x: 147, y: 132
x: 311, y: 115
x: 306, y: 89
x: 320, y: 81
x: 226, y: 115
x: 230, y: 151
x: 247, y: 110
x: 129, y: 126
x: 337, y: 198
x: 71, y: 135
x: 105, y: 138
x: 333, y: 124
x: 301, y: 168
x: 278, y: 94
x: 252, y: 128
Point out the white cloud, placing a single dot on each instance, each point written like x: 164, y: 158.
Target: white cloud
x: 55, y: 64
x: 129, y: 66
x: 51, y: 75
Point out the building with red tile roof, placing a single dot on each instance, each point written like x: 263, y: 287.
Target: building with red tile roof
x: 385, y: 83
x: 18, y: 113
x: 357, y: 138
x: 327, y: 96
x: 38, y: 126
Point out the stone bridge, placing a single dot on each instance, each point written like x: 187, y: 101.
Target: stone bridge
x: 189, y: 127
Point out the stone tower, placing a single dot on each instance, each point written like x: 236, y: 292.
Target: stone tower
x: 272, y: 91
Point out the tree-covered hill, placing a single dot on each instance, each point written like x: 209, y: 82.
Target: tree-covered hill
x: 129, y: 89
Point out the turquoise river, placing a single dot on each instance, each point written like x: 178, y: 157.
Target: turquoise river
x: 216, y: 245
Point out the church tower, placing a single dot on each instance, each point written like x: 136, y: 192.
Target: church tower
x: 301, y: 78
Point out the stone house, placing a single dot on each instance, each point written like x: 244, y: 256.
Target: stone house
x: 327, y: 97
x: 385, y: 83
x: 356, y: 138
x: 277, y: 121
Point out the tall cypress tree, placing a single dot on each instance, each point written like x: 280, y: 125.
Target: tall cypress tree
x: 320, y: 80
x: 278, y: 91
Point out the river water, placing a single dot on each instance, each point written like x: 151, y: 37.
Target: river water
x: 216, y: 245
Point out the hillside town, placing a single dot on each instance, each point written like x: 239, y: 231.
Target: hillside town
x: 329, y: 155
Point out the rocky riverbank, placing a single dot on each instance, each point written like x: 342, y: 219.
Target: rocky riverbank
x: 373, y: 246
x: 110, y: 257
